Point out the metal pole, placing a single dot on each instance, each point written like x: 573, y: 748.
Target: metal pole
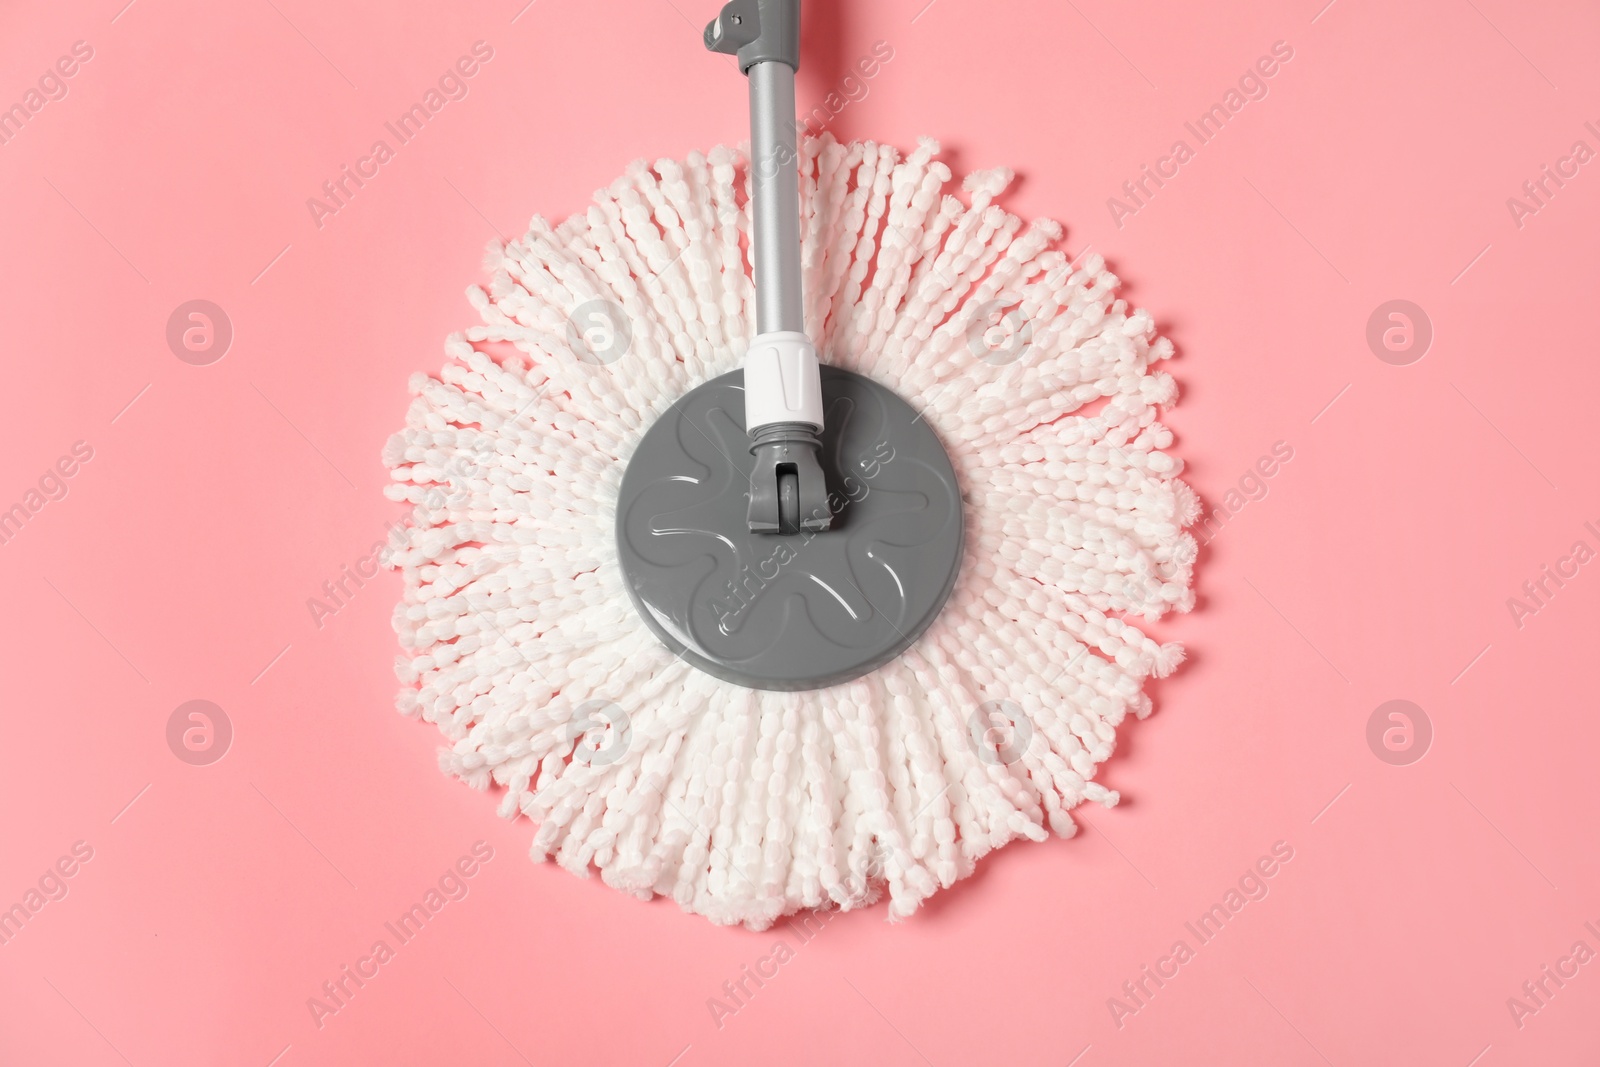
x: 775, y: 192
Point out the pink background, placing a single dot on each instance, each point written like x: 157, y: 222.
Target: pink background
x: 219, y: 898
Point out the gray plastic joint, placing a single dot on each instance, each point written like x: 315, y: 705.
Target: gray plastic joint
x: 757, y: 31
x: 788, y: 492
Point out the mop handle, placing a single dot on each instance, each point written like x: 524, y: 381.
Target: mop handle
x: 782, y: 376
x: 765, y: 35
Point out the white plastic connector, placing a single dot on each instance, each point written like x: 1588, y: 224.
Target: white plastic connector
x: 782, y: 382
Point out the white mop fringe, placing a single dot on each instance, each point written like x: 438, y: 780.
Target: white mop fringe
x: 522, y: 646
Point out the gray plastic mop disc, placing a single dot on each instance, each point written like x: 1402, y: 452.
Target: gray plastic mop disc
x: 790, y: 611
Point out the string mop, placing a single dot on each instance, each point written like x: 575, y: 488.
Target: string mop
x: 743, y: 805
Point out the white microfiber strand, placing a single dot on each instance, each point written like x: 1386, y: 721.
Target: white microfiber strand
x: 521, y: 645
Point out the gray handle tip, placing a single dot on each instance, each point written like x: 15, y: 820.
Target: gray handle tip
x: 757, y: 31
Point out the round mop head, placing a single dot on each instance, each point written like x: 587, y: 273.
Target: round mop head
x: 810, y: 609
x: 521, y: 641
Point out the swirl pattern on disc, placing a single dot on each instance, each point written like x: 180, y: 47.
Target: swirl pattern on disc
x: 807, y: 610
